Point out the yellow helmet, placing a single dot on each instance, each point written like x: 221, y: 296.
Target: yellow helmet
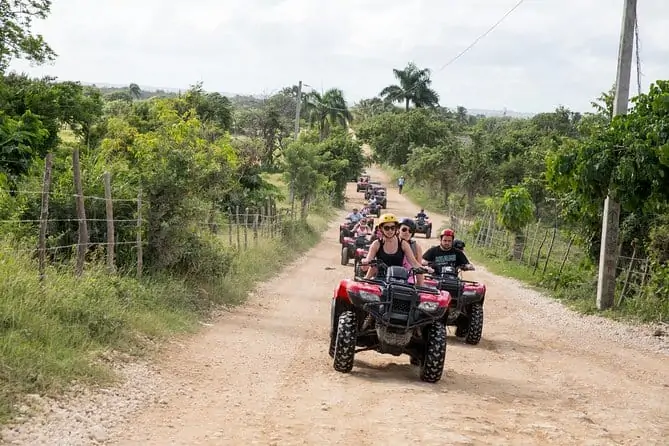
x: 387, y: 218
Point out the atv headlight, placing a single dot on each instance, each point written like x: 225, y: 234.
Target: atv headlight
x: 369, y: 297
x: 428, y: 306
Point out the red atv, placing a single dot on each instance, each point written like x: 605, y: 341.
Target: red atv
x: 350, y: 247
x: 360, y: 253
x: 345, y: 230
x: 362, y: 183
x: 391, y: 316
x: 465, y: 311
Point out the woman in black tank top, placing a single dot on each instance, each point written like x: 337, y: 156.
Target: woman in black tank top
x: 390, y: 249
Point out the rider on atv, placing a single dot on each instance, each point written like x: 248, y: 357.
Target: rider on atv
x: 362, y: 228
x: 407, y: 231
x: 354, y: 216
x: 446, y: 253
x: 421, y: 214
x: 390, y: 248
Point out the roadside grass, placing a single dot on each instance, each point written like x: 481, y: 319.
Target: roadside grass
x: 57, y: 333
x: 575, y: 286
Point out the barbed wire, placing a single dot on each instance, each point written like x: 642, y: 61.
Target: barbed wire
x: 64, y: 195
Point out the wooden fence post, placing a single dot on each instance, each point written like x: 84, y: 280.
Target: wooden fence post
x: 246, y: 228
x: 237, y: 226
x: 44, y: 215
x: 82, y: 244
x: 230, y: 225
x: 564, y: 259
x: 109, y: 207
x: 550, y: 251
x: 140, y: 252
x: 255, y: 227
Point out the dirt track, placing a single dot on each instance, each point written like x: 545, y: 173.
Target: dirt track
x: 262, y: 375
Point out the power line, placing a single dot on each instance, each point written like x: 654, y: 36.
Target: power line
x: 495, y: 25
x: 470, y: 46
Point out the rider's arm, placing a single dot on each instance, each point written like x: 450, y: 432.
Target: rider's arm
x: 406, y: 247
x: 419, y: 253
x: 428, y: 256
x: 371, y: 254
x: 462, y: 259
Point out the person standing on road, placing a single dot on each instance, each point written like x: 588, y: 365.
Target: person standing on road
x: 400, y: 183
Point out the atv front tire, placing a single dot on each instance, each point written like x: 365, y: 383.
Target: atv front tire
x: 428, y: 233
x: 475, y: 329
x: 432, y: 365
x: 344, y: 352
x: 344, y: 256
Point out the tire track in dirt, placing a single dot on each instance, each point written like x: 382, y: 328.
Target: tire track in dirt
x: 262, y: 375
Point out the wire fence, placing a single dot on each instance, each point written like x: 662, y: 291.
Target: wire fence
x: 89, y: 231
x: 552, y: 254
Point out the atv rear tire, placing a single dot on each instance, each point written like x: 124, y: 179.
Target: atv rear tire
x: 344, y: 256
x: 346, y: 336
x: 475, y: 329
x: 432, y: 365
x: 357, y: 270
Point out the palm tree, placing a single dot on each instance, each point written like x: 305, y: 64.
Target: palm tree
x: 327, y: 110
x: 135, y: 91
x: 414, y: 87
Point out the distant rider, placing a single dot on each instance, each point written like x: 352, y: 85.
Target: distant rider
x: 354, y: 216
x: 400, y: 183
x: 362, y: 228
x: 445, y: 253
x: 421, y: 215
x: 390, y: 248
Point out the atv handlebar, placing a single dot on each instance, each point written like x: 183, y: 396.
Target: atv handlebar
x: 414, y: 270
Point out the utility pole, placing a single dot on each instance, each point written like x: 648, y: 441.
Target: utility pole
x: 297, y: 132
x: 297, y: 110
x: 608, y: 254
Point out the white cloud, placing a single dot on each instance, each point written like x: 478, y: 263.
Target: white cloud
x: 544, y: 54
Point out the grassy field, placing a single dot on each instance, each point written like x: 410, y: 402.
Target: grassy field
x: 56, y: 333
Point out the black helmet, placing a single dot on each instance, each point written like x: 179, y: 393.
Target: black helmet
x: 410, y: 223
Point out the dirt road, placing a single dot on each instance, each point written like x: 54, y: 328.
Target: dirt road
x: 262, y: 375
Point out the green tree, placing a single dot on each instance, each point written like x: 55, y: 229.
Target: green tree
x: 414, y: 87
x: 301, y: 169
x: 327, y: 110
x: 16, y: 38
x: 515, y: 213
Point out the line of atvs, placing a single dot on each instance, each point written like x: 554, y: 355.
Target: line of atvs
x: 390, y: 315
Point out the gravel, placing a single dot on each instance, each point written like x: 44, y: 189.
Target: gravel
x: 652, y: 338
x: 84, y: 416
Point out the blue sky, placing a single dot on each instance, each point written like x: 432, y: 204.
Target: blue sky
x: 546, y: 53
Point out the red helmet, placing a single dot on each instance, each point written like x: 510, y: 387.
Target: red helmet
x: 446, y: 232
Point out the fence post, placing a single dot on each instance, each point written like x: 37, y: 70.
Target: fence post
x: 541, y: 245
x: 627, y: 276
x: 44, y: 214
x: 246, y: 228
x: 140, y: 253
x: 237, y: 226
x: 230, y: 222
x: 109, y: 207
x: 534, y: 242
x: 564, y: 259
x: 255, y: 227
x: 550, y: 251
x: 82, y: 244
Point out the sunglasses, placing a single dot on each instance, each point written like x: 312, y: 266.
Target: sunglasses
x: 405, y: 229
x: 388, y: 227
